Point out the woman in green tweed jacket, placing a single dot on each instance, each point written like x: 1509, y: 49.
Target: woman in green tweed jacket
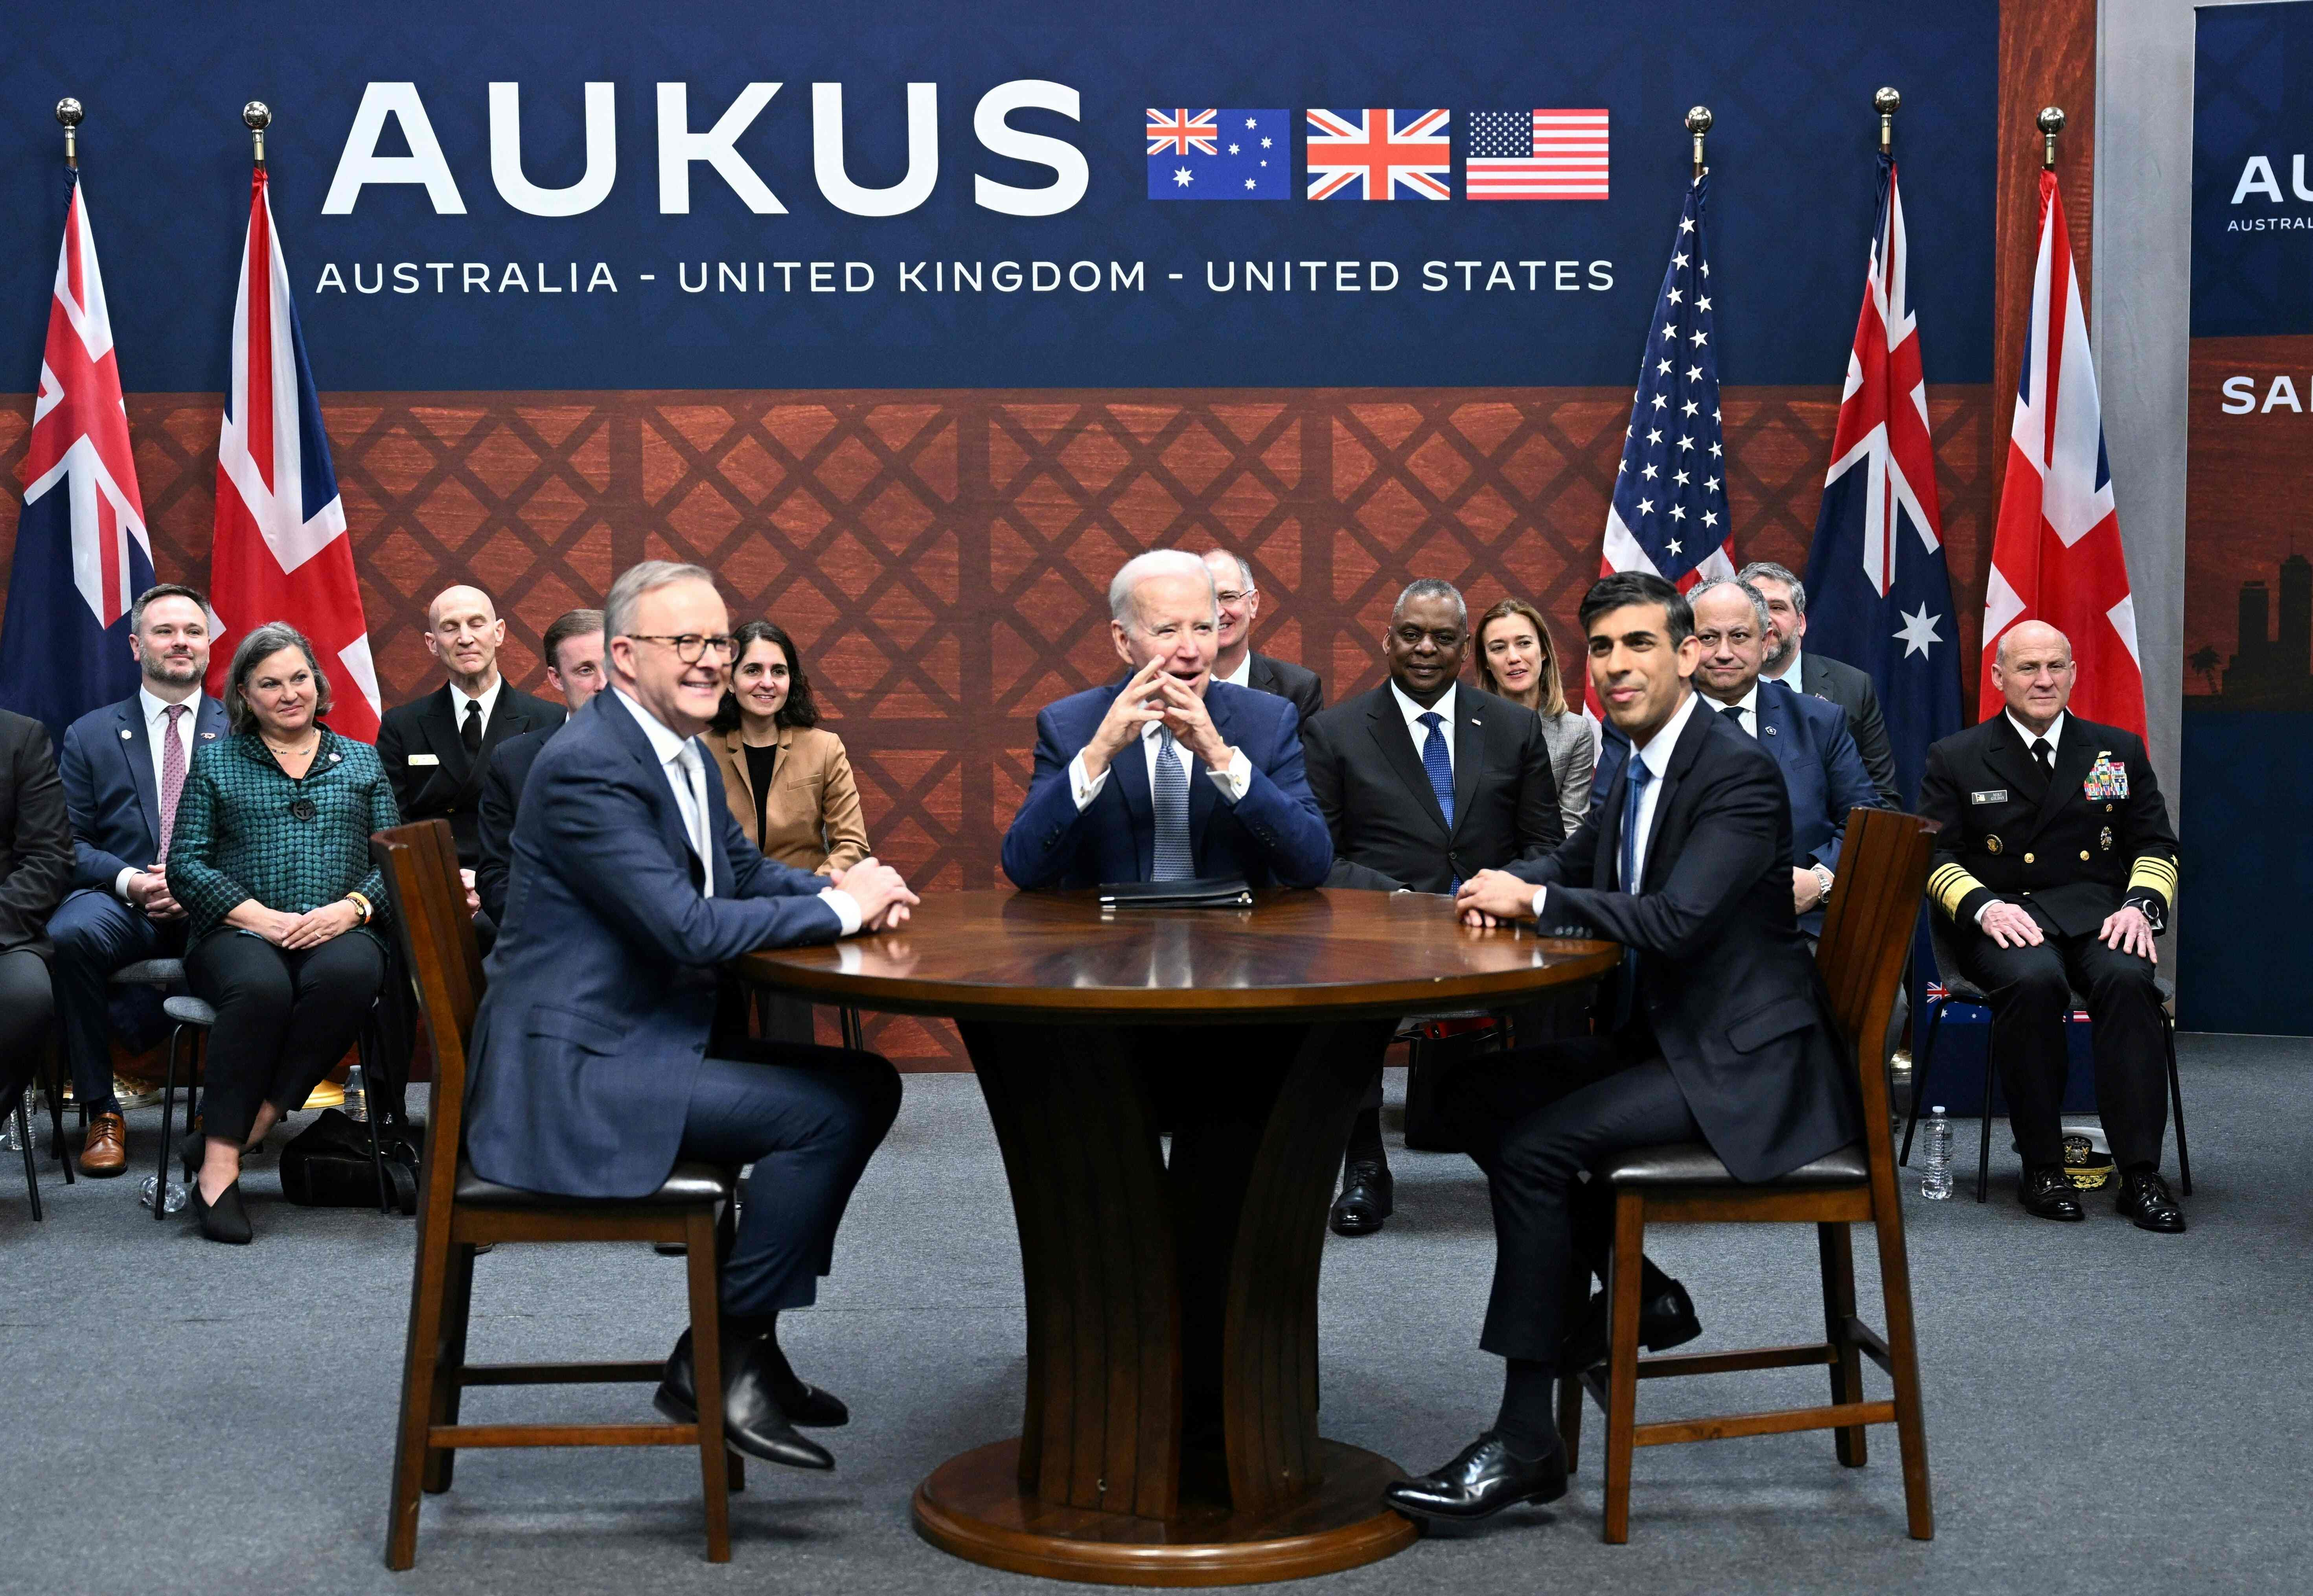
x: 270, y: 855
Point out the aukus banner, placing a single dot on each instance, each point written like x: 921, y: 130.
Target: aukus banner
x: 2248, y: 607
x: 589, y: 195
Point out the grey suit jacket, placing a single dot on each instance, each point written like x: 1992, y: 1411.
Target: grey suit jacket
x: 1822, y: 677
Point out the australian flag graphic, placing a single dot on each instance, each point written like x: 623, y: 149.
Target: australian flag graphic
x: 1220, y: 155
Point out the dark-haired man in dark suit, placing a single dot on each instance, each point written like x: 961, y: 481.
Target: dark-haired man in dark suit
x: 574, y: 666
x: 1818, y: 675
x: 36, y: 867
x: 1234, y: 660
x: 1716, y: 1029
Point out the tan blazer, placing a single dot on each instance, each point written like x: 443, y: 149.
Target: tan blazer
x: 813, y: 821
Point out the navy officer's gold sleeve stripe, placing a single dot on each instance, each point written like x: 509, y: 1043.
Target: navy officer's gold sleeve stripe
x: 2156, y: 872
x: 1949, y: 887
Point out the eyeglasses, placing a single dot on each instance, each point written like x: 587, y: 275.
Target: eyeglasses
x: 691, y: 646
x: 1227, y: 597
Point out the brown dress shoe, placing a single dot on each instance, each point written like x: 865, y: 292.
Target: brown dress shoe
x: 106, y: 1152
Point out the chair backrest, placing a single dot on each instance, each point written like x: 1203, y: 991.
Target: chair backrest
x: 428, y: 899
x: 1866, y: 934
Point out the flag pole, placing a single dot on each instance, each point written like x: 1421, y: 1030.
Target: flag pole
x: 1698, y: 122
x: 257, y: 117
x: 69, y: 114
x: 1887, y: 102
x: 2051, y: 122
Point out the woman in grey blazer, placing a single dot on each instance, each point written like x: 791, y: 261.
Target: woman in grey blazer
x: 1516, y: 660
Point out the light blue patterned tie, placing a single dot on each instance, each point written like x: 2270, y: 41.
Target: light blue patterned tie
x: 1176, y: 861
x: 1638, y: 779
x: 1438, y: 764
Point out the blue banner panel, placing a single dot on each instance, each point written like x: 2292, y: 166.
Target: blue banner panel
x: 597, y: 196
x: 2251, y: 192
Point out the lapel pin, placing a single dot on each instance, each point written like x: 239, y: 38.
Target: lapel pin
x: 127, y: 736
x: 208, y: 736
x: 1771, y: 731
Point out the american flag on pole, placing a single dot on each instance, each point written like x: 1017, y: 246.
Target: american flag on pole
x: 1670, y: 511
x: 281, y: 551
x: 82, y: 554
x: 1371, y: 154
x: 2056, y: 550
x: 1879, y: 591
x: 1539, y: 154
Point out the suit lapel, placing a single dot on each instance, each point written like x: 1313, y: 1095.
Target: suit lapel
x: 1389, y: 731
x: 1469, y: 751
x: 718, y: 816
x: 136, y: 748
x: 655, y: 777
x: 1662, y: 842
x: 1607, y: 858
x: 2074, y: 755
x: 1129, y: 774
x: 2015, y: 763
x: 1777, y: 730
x: 209, y: 723
x: 439, y: 721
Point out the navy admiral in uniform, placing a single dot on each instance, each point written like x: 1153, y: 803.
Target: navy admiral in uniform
x: 2055, y: 868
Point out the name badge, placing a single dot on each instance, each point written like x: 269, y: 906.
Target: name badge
x: 2108, y: 778
x: 425, y: 759
x: 1998, y: 795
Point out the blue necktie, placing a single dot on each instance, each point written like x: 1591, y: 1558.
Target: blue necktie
x: 1174, y: 859
x: 1438, y: 763
x: 1640, y: 777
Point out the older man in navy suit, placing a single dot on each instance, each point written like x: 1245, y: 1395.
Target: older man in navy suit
x: 124, y: 767
x: 1170, y: 775
x: 630, y: 883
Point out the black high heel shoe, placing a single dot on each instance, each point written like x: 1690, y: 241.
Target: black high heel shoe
x: 226, y: 1220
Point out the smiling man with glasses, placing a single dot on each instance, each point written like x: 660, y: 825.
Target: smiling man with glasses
x: 1234, y: 660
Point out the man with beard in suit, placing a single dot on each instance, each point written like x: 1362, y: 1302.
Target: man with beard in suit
x: 1818, y: 675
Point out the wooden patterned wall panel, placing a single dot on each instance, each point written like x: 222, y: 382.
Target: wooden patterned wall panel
x: 943, y: 557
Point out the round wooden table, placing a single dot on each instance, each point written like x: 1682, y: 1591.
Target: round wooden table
x: 1171, y: 1429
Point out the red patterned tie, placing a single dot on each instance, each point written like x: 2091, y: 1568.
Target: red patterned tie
x: 173, y: 776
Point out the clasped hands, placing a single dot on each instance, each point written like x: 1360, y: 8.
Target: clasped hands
x: 1152, y: 694
x: 1490, y: 897
x: 295, y: 933
x: 148, y: 890
x: 883, y: 897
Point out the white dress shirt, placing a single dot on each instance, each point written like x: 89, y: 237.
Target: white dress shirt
x: 1413, y: 712
x: 156, y: 725
x: 1243, y: 675
x: 684, y: 763
x: 460, y: 698
x: 2055, y: 736
x: 1235, y: 781
x: 1790, y: 674
x: 1748, y: 703
x: 1656, y: 754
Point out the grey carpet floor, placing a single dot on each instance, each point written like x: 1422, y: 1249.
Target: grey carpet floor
x: 2107, y: 1409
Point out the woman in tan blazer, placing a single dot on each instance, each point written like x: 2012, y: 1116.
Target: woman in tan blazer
x: 788, y: 783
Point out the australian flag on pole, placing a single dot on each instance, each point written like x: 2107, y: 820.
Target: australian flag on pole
x: 82, y: 554
x: 1878, y: 594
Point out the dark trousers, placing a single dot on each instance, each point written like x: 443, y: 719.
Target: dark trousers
x: 283, y: 1019
x: 2031, y: 991
x: 808, y: 1119
x: 95, y: 934
x: 1534, y: 1120
x: 26, y: 1010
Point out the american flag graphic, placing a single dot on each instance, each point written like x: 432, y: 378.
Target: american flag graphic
x: 1538, y: 155
x: 1371, y: 154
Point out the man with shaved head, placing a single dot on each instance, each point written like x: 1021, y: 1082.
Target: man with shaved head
x: 2055, y: 868
x: 436, y: 750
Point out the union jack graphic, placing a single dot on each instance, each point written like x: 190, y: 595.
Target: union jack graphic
x: 1178, y: 132
x: 1380, y: 152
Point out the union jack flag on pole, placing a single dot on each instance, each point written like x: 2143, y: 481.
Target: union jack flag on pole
x: 1879, y: 590
x: 2055, y: 551
x: 1371, y: 154
x: 82, y: 554
x: 281, y: 551
x: 1669, y: 511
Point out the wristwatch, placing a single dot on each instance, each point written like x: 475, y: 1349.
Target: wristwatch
x: 1823, y: 874
x: 361, y: 906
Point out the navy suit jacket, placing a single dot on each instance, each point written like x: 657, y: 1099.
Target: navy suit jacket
x: 110, y: 793
x: 1823, y: 772
x: 1273, y: 836
x: 501, y: 801
x: 601, y: 984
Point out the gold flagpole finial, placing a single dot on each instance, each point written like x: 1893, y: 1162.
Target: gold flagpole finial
x: 2051, y: 122
x: 257, y: 117
x: 1698, y: 122
x: 1887, y: 102
x: 69, y: 113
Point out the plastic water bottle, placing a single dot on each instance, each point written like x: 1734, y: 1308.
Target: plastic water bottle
x: 173, y: 1196
x: 357, y: 1096
x: 8, y: 1132
x: 1936, y: 1183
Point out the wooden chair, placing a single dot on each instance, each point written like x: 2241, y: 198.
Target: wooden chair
x: 1865, y: 934
x: 457, y: 1211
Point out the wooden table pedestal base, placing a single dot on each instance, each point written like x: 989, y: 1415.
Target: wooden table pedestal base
x: 973, y: 1506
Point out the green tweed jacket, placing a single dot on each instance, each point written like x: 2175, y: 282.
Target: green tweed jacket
x: 244, y: 829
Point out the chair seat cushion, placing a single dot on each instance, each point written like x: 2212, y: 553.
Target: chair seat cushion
x: 151, y: 972
x: 1690, y: 1163
x: 187, y: 1010
x: 686, y: 1185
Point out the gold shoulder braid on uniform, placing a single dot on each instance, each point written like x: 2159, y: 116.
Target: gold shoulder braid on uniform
x: 2158, y: 873
x: 1951, y: 883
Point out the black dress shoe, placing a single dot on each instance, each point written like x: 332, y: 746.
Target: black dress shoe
x: 2145, y: 1198
x: 226, y: 1220
x: 1368, y: 1196
x: 804, y: 1403
x: 1484, y: 1477
x: 2048, y: 1193
x: 754, y: 1421
x: 1666, y: 1320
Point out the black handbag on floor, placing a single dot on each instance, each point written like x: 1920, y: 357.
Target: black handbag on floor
x: 329, y: 1165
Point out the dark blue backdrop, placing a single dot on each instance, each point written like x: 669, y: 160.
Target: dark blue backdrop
x: 166, y: 162
x: 2252, y: 97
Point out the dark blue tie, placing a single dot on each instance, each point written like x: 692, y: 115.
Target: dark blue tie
x: 1438, y: 763
x: 1640, y: 778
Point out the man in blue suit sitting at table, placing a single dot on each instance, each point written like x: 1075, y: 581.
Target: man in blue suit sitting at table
x: 629, y: 883
x: 1173, y: 775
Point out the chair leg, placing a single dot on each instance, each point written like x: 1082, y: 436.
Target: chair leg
x: 56, y: 1110
x: 1922, y: 1058
x: 31, y: 1159
x: 457, y: 1306
x: 368, y: 1049
x: 1984, y: 1141
x: 1570, y: 1418
x: 169, y: 1124
x: 1623, y: 1360
x: 706, y: 1376
x: 1903, y: 1358
x: 1838, y: 1254
x: 421, y: 1362
x: 2176, y: 1103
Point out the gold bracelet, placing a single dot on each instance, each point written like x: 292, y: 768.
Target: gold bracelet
x: 361, y: 906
